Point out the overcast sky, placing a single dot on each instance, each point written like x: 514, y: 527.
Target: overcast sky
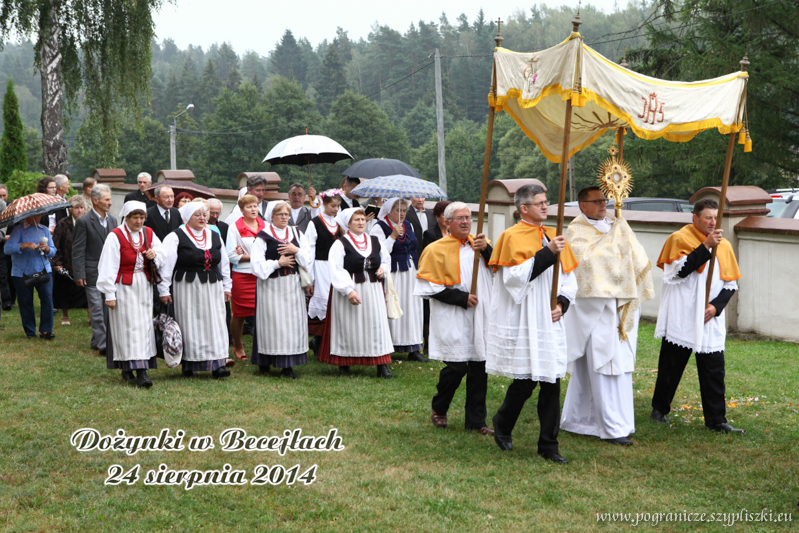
x: 258, y: 25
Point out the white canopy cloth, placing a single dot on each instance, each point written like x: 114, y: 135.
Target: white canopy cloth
x: 534, y: 88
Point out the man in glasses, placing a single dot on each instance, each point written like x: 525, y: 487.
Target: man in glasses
x: 613, y: 280
x: 525, y: 338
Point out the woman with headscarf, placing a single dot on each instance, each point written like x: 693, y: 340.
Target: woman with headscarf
x: 67, y: 295
x: 30, y: 245
x: 124, y: 279
x: 357, y: 332
x: 240, y: 238
x: 396, y: 234
x: 195, y: 270
x: 321, y: 234
x: 281, y: 320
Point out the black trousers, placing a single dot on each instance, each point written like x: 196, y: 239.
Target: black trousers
x: 425, y: 324
x: 476, y: 385
x: 548, y: 411
x: 5, y: 279
x: 709, y: 366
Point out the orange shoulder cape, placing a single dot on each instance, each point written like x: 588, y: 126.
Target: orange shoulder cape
x: 685, y: 241
x: 522, y: 241
x: 440, y: 261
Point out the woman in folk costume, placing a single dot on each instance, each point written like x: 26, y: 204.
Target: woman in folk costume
x: 322, y: 232
x: 281, y: 319
x: 240, y: 238
x: 196, y: 272
x: 396, y: 234
x: 357, y: 332
x: 124, y: 279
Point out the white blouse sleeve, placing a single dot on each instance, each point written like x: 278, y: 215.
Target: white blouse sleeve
x: 311, y: 237
x: 304, y: 257
x: 339, y: 278
x: 261, y: 267
x: 108, y: 267
x: 385, y: 258
x: 224, y: 266
x: 316, y: 211
x: 387, y: 242
x: 230, y: 245
x: 167, y: 257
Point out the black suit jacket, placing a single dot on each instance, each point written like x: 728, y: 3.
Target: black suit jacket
x: 159, y: 226
x: 413, y: 218
x: 87, y: 244
x: 222, y: 227
x: 430, y: 236
x: 138, y: 196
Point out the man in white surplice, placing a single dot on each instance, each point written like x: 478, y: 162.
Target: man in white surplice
x: 526, y: 339
x: 613, y: 279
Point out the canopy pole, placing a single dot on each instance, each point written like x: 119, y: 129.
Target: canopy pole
x: 486, y: 160
x: 564, y: 164
x: 620, y: 142
x: 564, y: 161
x: 723, y: 198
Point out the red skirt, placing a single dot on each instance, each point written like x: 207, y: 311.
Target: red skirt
x: 325, y: 356
x: 243, y: 298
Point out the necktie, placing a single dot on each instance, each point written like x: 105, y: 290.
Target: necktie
x: 166, y: 217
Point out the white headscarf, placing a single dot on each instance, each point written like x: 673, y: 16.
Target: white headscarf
x: 344, y: 216
x: 131, y: 206
x: 242, y: 192
x: 386, y: 208
x: 188, y: 210
x: 271, y: 207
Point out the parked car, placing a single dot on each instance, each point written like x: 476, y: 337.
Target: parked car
x: 651, y: 204
x: 782, y: 193
x: 784, y: 207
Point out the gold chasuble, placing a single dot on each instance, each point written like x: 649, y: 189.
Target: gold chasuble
x: 521, y: 242
x: 687, y: 239
x: 612, y: 265
x: 440, y: 261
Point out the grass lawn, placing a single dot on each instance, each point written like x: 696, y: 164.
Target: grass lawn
x: 397, y: 472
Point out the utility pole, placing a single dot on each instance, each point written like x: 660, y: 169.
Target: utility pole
x: 172, y: 154
x: 442, y: 164
x: 572, y: 188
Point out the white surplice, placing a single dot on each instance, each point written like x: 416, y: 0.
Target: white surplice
x: 317, y: 307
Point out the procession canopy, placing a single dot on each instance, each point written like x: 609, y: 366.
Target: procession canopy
x: 534, y: 89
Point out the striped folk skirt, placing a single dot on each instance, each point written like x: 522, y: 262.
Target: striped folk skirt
x: 407, y: 331
x: 200, y: 313
x: 357, y: 334
x: 281, y: 322
x: 131, y: 337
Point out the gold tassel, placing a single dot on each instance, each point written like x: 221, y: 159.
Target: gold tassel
x: 748, y: 143
x: 742, y: 136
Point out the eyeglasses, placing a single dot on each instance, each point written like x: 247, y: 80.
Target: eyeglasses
x: 461, y: 219
x: 539, y: 204
x: 280, y: 215
x: 597, y: 203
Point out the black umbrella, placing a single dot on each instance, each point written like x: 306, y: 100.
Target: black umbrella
x: 374, y: 168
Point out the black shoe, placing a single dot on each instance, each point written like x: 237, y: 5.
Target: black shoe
x: 47, y: 336
x: 7, y: 308
x: 417, y: 356
x: 554, y: 457
x: 288, y: 373
x: 344, y: 371
x: 142, y: 380
x: 620, y: 441
x: 726, y: 428
x: 503, y: 441
x: 220, y: 373
x: 659, y: 417
x: 103, y: 352
x: 263, y: 369
x: 314, y: 343
x: 127, y: 375
x: 383, y: 372
x: 188, y: 374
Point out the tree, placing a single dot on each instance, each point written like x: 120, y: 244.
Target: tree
x: 98, y: 49
x: 332, y: 81
x: 287, y: 60
x: 12, y: 147
x: 210, y: 86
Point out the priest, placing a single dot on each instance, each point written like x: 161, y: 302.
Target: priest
x: 458, y: 318
x: 686, y: 324
x: 526, y: 339
x: 613, y: 280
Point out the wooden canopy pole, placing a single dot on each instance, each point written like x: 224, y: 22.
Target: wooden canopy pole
x: 723, y: 198
x: 564, y: 161
x: 620, y: 142
x: 486, y: 161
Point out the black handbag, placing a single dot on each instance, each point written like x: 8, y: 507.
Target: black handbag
x: 37, y: 278
x: 155, y: 276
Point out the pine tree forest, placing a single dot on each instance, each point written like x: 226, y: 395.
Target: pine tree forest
x: 376, y: 96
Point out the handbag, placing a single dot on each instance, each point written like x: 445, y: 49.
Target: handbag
x: 393, y: 309
x: 306, y: 279
x: 37, y: 278
x: 155, y: 276
x: 168, y: 337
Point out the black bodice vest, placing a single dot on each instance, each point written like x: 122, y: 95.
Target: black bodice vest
x: 324, y: 239
x: 357, y: 265
x: 404, y: 250
x: 195, y: 263
x: 273, y: 255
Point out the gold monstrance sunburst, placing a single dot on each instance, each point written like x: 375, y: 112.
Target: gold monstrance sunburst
x: 615, y: 179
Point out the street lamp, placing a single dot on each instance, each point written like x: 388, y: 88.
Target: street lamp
x: 173, y: 133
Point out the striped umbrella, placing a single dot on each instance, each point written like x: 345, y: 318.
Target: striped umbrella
x: 398, y: 186
x: 28, y: 206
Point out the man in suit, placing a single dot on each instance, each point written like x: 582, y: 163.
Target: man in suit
x: 89, y: 237
x: 143, y: 180
x: 256, y: 186
x: 215, y: 211
x: 162, y: 218
x: 301, y: 215
x: 421, y: 220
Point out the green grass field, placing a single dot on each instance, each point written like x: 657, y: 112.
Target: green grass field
x: 397, y: 472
